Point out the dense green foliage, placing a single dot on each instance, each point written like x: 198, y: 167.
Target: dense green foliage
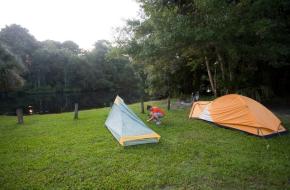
x: 228, y: 46
x: 54, y: 66
x: 56, y: 152
x: 10, y: 71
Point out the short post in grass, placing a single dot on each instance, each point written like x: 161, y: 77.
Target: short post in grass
x: 76, y: 115
x: 168, y: 103
x: 19, y: 113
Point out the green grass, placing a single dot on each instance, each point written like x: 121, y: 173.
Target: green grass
x: 55, y: 152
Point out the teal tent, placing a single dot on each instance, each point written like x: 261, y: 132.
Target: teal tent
x: 126, y: 127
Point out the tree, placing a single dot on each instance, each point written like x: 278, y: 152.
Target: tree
x: 18, y: 40
x: 224, y: 39
x: 55, y: 66
x: 10, y: 71
x: 52, y: 66
x: 72, y: 47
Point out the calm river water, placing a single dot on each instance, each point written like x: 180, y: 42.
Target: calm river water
x: 57, y: 103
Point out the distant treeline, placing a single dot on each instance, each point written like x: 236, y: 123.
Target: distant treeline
x: 49, y: 66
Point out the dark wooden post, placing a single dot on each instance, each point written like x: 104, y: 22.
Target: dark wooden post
x: 19, y: 113
x: 76, y: 116
x: 168, y: 103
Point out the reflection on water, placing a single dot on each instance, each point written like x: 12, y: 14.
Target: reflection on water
x: 57, y: 103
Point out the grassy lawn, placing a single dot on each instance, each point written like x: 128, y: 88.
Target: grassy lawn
x: 55, y: 152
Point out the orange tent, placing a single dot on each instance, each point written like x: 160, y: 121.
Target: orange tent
x: 238, y: 112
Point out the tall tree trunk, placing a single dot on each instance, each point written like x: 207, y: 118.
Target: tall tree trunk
x: 65, y: 78
x: 142, y: 104
x: 143, y: 78
x: 222, y: 66
x: 168, y: 86
x: 214, y: 82
x: 210, y: 76
x: 230, y: 72
x: 221, y: 62
x: 38, y: 79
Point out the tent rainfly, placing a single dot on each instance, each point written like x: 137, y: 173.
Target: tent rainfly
x: 238, y: 112
x: 127, y: 128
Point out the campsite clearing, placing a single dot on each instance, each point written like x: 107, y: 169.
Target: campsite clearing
x: 56, y: 152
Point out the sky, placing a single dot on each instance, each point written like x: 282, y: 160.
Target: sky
x: 82, y: 21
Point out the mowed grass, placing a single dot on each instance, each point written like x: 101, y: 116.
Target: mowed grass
x: 55, y: 152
